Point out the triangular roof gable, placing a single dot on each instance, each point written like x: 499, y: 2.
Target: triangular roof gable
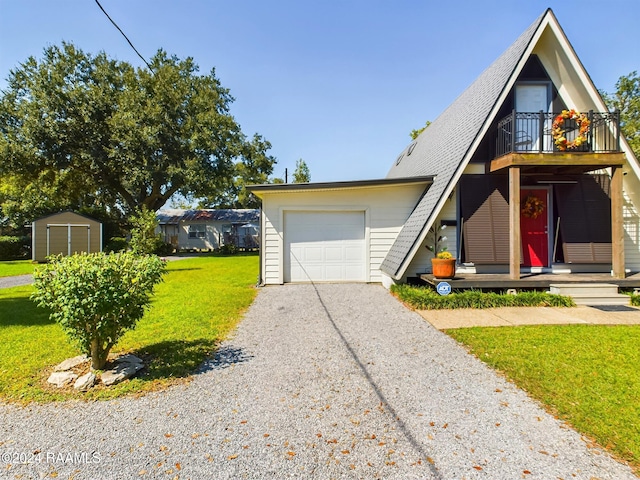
x: 67, y: 211
x: 446, y: 147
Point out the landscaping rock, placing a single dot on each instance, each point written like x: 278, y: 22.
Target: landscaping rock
x: 60, y: 379
x: 130, y: 358
x: 126, y: 367
x: 69, y: 363
x: 85, y: 382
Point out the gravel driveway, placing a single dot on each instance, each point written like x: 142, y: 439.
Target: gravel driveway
x: 326, y: 381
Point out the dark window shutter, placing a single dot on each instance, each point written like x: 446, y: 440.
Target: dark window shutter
x: 585, y: 219
x: 485, y: 210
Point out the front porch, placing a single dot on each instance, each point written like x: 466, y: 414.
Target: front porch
x: 533, y: 281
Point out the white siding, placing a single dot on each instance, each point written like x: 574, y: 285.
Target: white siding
x: 631, y: 226
x: 208, y: 242
x: 386, y: 209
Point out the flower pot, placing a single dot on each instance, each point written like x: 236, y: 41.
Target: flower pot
x: 443, y: 267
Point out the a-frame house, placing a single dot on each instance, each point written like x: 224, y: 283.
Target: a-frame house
x: 527, y: 168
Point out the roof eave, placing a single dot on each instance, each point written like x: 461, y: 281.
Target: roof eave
x: 261, y: 189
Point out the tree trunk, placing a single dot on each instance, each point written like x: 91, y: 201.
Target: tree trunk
x: 98, y: 359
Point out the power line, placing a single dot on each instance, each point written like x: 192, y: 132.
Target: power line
x: 123, y: 34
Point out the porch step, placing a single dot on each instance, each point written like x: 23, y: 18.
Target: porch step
x: 591, y: 293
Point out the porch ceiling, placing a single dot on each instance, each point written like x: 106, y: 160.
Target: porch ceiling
x: 558, y: 163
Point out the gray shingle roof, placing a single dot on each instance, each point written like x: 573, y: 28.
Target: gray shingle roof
x: 445, y: 147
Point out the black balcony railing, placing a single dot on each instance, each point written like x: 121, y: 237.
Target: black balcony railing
x: 532, y: 132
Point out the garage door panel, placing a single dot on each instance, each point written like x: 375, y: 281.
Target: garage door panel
x: 354, y: 254
x: 312, y: 253
x: 333, y: 273
x: 324, y: 246
x: 333, y: 253
x: 352, y: 271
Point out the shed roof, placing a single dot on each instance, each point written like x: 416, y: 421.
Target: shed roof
x: 174, y: 216
x: 64, y: 212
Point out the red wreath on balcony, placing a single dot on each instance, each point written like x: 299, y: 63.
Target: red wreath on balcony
x: 582, y: 122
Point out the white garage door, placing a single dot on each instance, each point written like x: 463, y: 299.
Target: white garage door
x: 324, y: 247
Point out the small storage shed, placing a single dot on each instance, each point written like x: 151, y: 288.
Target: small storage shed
x: 65, y: 233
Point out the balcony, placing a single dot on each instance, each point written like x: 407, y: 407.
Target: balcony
x: 528, y: 132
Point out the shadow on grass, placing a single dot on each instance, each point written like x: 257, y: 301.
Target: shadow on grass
x: 182, y: 358
x: 182, y: 269
x: 22, y: 311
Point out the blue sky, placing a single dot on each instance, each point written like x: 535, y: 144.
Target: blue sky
x: 338, y: 83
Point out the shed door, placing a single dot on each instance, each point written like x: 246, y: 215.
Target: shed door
x: 68, y: 239
x: 324, y: 247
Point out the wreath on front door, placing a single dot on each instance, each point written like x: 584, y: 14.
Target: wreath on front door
x: 533, y: 207
x: 558, y: 132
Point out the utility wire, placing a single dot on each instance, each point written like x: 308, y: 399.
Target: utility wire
x: 123, y: 34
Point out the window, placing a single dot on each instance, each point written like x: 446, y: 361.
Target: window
x: 197, y: 230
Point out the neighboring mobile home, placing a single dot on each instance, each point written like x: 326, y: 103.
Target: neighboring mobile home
x: 64, y: 233
x: 209, y: 229
x: 527, y: 168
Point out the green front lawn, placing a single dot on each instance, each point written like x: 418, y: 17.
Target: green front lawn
x: 198, y: 304
x: 16, y: 267
x: 586, y: 374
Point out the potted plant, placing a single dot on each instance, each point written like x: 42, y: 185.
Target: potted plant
x: 443, y: 264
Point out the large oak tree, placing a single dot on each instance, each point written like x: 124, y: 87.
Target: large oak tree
x: 86, y: 130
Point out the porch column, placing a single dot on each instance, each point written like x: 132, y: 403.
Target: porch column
x: 514, y: 223
x: 617, y: 224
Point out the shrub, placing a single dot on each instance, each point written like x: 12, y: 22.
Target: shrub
x: 424, y: 298
x: 144, y: 238
x: 12, y: 248
x: 116, y: 244
x: 228, y: 249
x: 97, y: 297
x: 162, y: 248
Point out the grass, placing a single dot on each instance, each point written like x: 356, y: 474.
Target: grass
x: 198, y: 304
x: 425, y: 298
x: 16, y: 267
x: 587, y: 375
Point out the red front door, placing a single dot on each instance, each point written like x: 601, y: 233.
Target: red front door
x: 533, y: 227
